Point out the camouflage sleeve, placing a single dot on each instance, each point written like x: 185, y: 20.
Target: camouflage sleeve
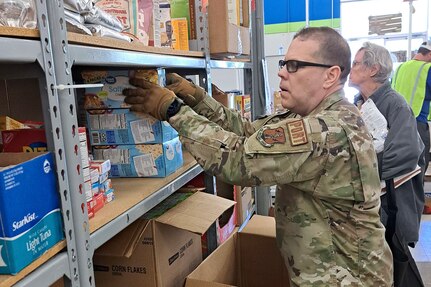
x: 272, y: 155
x: 226, y: 118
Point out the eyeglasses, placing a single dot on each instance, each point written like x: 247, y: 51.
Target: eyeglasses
x: 293, y: 65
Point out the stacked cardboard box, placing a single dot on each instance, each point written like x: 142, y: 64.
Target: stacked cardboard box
x: 229, y: 31
x: 137, y: 144
x: 97, y: 186
x: 162, y: 247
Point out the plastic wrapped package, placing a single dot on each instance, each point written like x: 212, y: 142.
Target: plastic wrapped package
x: 18, y: 13
x: 99, y: 17
x: 78, y: 6
x: 74, y: 15
x: 136, y: 17
x: 74, y: 26
x: 101, y: 31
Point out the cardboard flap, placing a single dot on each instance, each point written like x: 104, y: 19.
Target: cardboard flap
x: 125, y: 242
x: 196, y: 213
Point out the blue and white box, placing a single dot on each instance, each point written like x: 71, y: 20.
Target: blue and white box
x: 121, y: 126
x: 30, y: 215
x: 146, y: 160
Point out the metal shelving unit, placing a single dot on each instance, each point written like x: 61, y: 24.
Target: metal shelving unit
x: 85, y: 55
x: 52, y: 65
x: 38, y: 60
x: 120, y: 222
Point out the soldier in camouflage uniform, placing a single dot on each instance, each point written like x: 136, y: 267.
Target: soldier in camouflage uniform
x: 319, y: 154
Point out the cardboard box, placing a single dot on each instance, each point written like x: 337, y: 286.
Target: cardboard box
x: 110, y: 96
x: 30, y: 216
x: 185, y: 9
x: 227, y: 99
x: 179, y: 27
x: 162, y: 250
x: 244, y: 203
x: 167, y: 37
x: 24, y: 140
x: 225, y: 37
x: 149, y: 160
x: 243, y: 105
x: 120, y: 126
x: 7, y: 123
x: 228, y: 220
x: 248, y: 258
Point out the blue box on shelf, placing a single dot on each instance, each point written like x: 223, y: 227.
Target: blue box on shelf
x: 121, y: 126
x: 145, y: 160
x: 30, y: 215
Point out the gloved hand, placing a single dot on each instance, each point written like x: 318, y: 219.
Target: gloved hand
x: 216, y: 91
x: 149, y: 98
x: 184, y: 89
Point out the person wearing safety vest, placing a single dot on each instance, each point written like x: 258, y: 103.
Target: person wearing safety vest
x: 413, y: 81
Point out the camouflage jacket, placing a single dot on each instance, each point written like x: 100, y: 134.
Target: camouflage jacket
x: 324, y: 165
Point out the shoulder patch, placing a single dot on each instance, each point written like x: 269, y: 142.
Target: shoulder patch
x: 297, y: 132
x: 268, y: 137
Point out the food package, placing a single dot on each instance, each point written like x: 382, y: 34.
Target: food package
x: 18, y: 13
x: 101, y: 31
x: 99, y: 17
x: 78, y: 5
x: 74, y: 15
x: 76, y: 27
x: 136, y: 17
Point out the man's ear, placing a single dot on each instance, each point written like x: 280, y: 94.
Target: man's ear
x: 333, y: 75
x: 374, y: 70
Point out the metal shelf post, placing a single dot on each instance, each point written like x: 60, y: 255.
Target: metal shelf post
x: 53, y: 121
x: 68, y: 131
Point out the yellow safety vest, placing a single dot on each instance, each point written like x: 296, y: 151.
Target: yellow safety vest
x: 410, y: 81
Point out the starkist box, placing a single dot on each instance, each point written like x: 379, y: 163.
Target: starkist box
x: 161, y: 248
x: 30, y: 214
x: 145, y: 160
x: 249, y: 258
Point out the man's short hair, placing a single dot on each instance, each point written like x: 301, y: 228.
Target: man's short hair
x: 333, y: 50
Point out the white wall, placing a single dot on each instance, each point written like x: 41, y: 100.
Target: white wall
x: 228, y: 79
x: 275, y: 48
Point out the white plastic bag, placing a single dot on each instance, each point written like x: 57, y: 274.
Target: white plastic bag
x: 18, y: 13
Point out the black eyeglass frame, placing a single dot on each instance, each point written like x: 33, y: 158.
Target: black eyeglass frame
x: 301, y: 64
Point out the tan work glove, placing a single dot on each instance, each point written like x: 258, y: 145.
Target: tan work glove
x: 216, y: 91
x: 184, y: 89
x: 149, y: 98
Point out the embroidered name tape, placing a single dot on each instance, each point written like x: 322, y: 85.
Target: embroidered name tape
x: 297, y: 133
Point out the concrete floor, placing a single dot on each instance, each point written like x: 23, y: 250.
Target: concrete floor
x: 422, y: 251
